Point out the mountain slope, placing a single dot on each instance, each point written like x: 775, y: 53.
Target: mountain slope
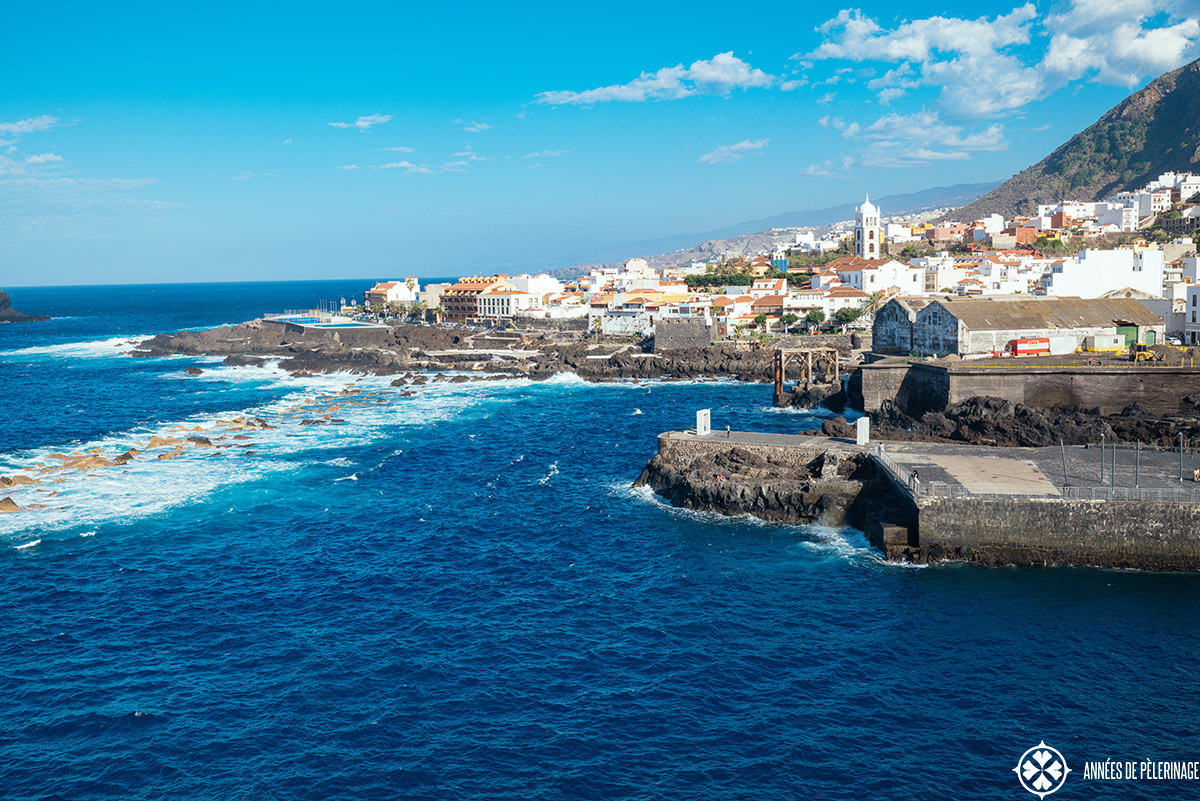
x: 1152, y: 131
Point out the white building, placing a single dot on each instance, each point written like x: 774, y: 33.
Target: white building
x: 868, y: 234
x: 1190, y: 265
x: 762, y: 287
x: 405, y: 291
x: 540, y: 284
x: 879, y: 275
x: 504, y: 302
x: 1092, y: 273
x: 1191, y: 327
x: 900, y: 234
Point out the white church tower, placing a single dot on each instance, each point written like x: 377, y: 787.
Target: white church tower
x: 867, y: 232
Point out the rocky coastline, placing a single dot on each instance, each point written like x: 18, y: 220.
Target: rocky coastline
x: 831, y: 484
x: 406, y: 348
x: 10, y: 315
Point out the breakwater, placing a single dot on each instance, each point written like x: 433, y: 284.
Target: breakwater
x: 917, y: 387
x: 930, y: 502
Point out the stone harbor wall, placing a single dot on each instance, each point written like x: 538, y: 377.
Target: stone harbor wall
x: 682, y: 334
x: 917, y: 388
x: 1146, y: 535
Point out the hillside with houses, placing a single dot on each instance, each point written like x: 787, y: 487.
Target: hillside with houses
x: 1134, y: 245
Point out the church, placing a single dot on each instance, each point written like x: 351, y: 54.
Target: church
x: 868, y: 234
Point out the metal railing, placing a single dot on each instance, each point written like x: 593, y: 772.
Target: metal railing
x: 940, y: 489
x: 903, y: 479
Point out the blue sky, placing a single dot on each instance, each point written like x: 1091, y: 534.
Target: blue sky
x: 165, y: 142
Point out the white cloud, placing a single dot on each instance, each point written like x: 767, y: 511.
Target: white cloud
x: 829, y: 167
x: 287, y: 142
x: 364, y: 123
x: 44, y: 158
x: 407, y: 166
x: 903, y: 140
x: 544, y: 154
x: 727, y: 154
x: 398, y: 149
x: 469, y: 155
x: 455, y: 166
x: 246, y: 175
x: 474, y: 126
x: 989, y: 67
x: 43, y: 122
x: 847, y: 129
x: 718, y: 75
x: 349, y: 167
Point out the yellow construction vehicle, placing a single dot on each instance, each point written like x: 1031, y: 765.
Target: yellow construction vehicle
x: 1141, y: 353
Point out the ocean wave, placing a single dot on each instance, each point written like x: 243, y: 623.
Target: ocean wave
x: 85, y: 349
x: 314, y: 417
x: 551, y: 473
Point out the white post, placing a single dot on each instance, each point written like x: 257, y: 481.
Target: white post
x: 863, y: 429
x: 703, y: 422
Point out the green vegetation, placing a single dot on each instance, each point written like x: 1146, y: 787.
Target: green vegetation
x: 847, y: 315
x: 802, y: 261
x: 720, y: 279
x: 815, y: 317
x: 1049, y: 243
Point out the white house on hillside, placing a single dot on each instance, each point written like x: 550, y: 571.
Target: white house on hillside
x: 1092, y: 273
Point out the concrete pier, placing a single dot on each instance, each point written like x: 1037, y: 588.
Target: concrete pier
x: 1021, y: 506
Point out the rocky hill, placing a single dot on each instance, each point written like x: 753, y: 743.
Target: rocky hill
x: 1152, y: 131
x: 10, y: 315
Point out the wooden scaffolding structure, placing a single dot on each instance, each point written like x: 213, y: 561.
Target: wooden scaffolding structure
x: 811, y: 361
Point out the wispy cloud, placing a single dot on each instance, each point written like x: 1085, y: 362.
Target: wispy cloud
x: 455, y: 166
x: 727, y: 154
x: 397, y: 149
x: 44, y: 158
x: 43, y: 122
x: 287, y: 142
x: 830, y: 167
x: 544, y: 154
x: 246, y: 175
x: 718, y: 75
x: 364, y: 123
x: 904, y: 140
x: 406, y: 166
x: 469, y: 155
x: 349, y: 167
x: 473, y: 126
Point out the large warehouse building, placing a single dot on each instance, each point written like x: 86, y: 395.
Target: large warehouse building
x: 969, y: 326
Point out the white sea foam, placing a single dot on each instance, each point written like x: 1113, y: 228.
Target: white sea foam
x: 551, y: 473
x: 29, y: 544
x: 351, y: 477
x: 635, y: 412
x: 97, y: 348
x: 147, y: 486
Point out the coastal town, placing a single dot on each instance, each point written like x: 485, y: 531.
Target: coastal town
x: 1136, y: 246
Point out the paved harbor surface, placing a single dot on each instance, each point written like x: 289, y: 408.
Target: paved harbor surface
x: 985, y: 470
x: 1039, y: 471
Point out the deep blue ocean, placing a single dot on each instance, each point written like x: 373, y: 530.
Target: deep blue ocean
x: 456, y: 595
